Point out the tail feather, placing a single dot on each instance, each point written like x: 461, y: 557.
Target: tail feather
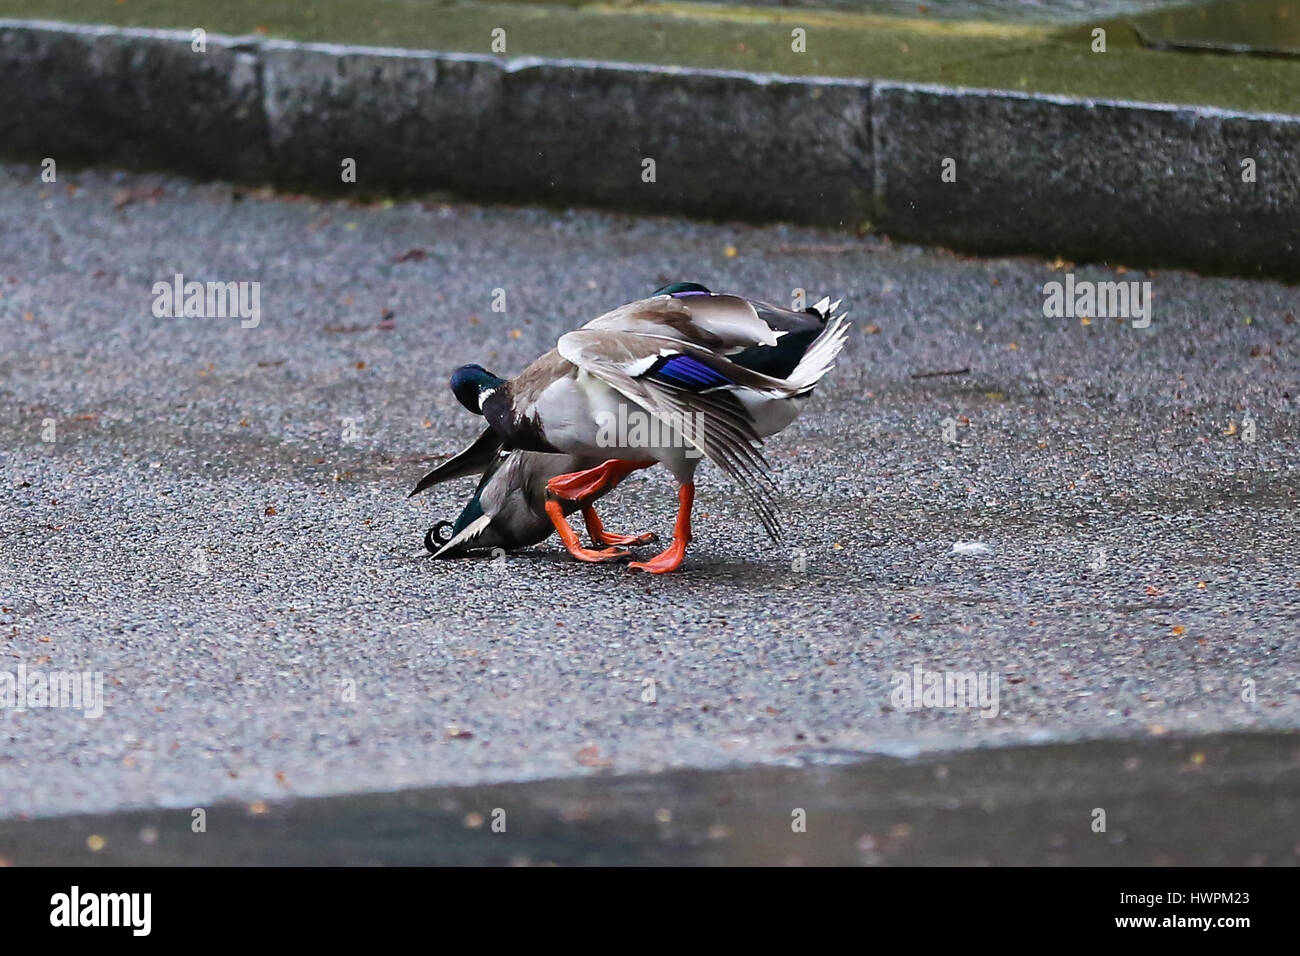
x: 819, y: 358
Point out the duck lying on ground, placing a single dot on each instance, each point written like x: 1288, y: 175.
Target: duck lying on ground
x: 508, y: 509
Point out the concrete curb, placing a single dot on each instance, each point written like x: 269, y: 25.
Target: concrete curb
x: 1122, y: 182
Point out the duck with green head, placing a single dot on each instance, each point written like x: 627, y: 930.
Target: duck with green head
x: 714, y: 374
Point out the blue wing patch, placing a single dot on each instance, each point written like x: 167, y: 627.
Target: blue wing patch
x: 687, y: 372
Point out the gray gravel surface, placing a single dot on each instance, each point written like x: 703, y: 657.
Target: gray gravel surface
x: 252, y: 587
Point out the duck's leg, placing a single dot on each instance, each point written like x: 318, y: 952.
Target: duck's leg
x: 596, y: 531
x: 581, y: 486
x: 555, y: 511
x: 671, y: 559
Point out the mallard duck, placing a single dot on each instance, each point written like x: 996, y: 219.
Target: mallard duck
x: 684, y: 374
x: 508, y: 508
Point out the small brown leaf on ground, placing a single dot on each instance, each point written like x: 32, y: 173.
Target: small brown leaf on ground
x: 589, y: 756
x: 270, y: 511
x: 872, y: 329
x: 360, y: 365
x: 412, y: 255
x: 125, y: 197
x: 1179, y: 629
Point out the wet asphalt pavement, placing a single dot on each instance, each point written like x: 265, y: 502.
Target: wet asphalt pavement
x: 1104, y: 803
x: 220, y: 524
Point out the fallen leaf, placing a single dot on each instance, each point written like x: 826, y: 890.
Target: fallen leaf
x: 589, y: 756
x: 126, y: 197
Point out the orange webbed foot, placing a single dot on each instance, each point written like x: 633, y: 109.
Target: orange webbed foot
x: 669, y: 560
x: 574, y: 546
x: 596, y: 531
